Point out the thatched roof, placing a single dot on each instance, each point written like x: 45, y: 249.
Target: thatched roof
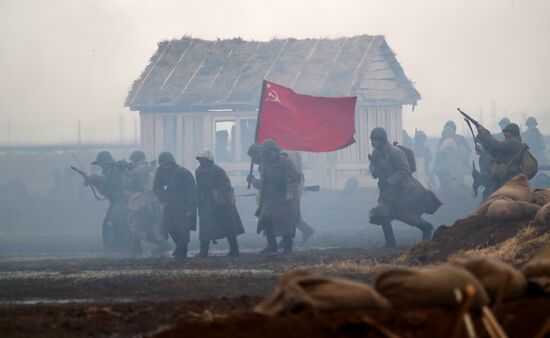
x: 196, y: 75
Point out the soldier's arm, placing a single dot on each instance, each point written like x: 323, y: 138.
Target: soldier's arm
x: 100, y: 182
x: 190, y: 188
x: 158, y: 188
x: 401, y: 164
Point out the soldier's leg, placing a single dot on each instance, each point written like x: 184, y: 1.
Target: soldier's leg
x: 287, y: 244
x: 271, y: 240
x: 417, y: 222
x: 389, y: 237
x: 306, y: 230
x: 181, y: 239
x: 380, y: 215
x: 203, y: 253
x: 233, y: 247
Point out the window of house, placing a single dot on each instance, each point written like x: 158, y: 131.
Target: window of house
x: 233, y: 137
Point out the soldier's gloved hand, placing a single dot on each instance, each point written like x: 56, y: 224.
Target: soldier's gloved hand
x: 250, y: 178
x: 86, y: 182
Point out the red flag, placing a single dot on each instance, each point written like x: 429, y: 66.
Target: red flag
x: 304, y: 122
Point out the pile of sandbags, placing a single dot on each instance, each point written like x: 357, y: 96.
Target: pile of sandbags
x: 492, y: 279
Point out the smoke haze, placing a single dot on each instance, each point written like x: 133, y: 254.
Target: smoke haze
x: 65, y: 61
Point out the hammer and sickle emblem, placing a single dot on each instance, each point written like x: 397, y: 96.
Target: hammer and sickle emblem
x: 272, y: 95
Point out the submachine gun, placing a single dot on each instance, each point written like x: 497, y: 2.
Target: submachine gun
x: 311, y: 188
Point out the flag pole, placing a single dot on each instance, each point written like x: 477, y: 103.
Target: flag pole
x: 257, y: 127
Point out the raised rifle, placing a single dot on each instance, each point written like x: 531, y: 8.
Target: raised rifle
x: 470, y: 119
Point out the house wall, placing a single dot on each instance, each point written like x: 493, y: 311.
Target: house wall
x: 185, y: 134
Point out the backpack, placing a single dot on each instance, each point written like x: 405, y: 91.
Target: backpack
x: 528, y: 163
x: 409, y: 154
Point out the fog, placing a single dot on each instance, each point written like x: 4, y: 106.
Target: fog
x: 65, y: 61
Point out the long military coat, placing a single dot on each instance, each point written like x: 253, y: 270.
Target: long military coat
x: 218, y: 215
x: 279, y: 180
x: 176, y: 189
x: 401, y: 197
x: 504, y: 154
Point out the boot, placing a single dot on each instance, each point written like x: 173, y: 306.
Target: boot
x: 388, y: 235
x: 180, y: 252
x: 233, y: 247
x: 271, y: 245
x: 287, y: 245
x: 427, y: 230
x: 204, y: 250
x: 306, y: 230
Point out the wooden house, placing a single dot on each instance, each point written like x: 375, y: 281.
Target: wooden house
x: 196, y: 94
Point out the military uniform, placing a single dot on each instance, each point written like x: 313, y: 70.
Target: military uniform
x: 175, y: 188
x: 401, y: 196
x: 533, y: 138
x: 505, y: 154
x: 218, y: 215
x: 453, y: 153
x: 144, y: 209
x: 279, y: 208
x: 110, y: 183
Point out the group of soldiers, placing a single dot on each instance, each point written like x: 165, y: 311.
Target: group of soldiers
x: 152, y: 204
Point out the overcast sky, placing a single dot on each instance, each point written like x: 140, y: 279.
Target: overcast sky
x: 69, y: 60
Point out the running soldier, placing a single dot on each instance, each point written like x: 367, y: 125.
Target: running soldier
x: 176, y: 190
x: 218, y: 215
x: 401, y: 196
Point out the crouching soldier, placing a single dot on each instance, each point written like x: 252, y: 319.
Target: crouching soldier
x: 176, y: 190
x: 144, y: 210
x: 279, y: 208
x: 401, y: 196
x: 218, y: 215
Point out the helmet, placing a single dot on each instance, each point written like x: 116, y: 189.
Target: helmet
x: 103, y: 157
x: 420, y: 135
x: 512, y: 128
x: 504, y: 122
x: 136, y: 156
x: 271, y: 145
x: 531, y: 121
x: 206, y: 154
x: 165, y: 158
x: 378, y: 132
x: 450, y: 124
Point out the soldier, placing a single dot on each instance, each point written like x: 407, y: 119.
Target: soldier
x: 505, y: 154
x: 218, y: 216
x: 279, y: 208
x: 144, y: 210
x: 533, y: 138
x: 175, y: 188
x: 453, y: 152
x: 502, y: 124
x: 401, y: 196
x: 482, y: 177
x: 110, y: 183
x: 424, y: 153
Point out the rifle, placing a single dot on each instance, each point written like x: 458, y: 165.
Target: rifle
x: 312, y: 188
x: 470, y: 119
x: 85, y: 176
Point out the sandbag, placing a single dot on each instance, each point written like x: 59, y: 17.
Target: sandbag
x: 540, y: 197
x: 428, y: 287
x: 537, y: 272
x: 517, y: 189
x: 496, y: 276
x: 542, y: 217
x: 506, y: 210
x: 302, y: 291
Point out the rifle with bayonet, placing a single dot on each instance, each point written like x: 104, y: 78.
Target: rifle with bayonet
x: 85, y: 177
x: 311, y: 188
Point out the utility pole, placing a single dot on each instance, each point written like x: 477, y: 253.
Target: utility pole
x: 136, y: 139
x: 8, y: 132
x: 79, y: 134
x: 121, y: 129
